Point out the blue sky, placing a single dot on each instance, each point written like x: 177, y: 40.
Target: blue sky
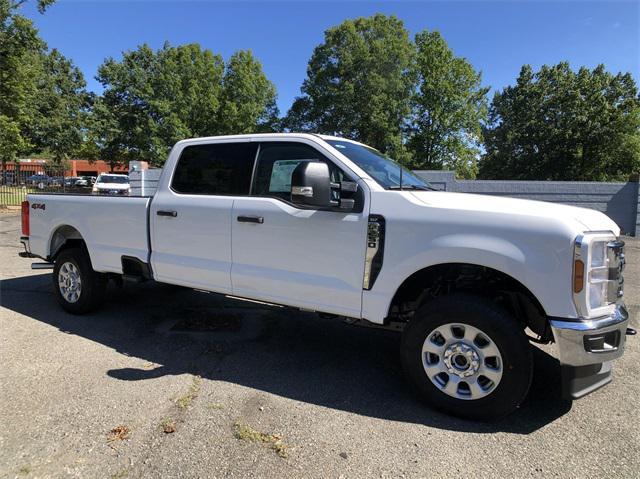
x: 496, y: 37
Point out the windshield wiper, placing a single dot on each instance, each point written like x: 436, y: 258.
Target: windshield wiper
x: 411, y: 187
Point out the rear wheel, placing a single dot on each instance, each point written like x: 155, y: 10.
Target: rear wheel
x: 78, y: 288
x: 468, y: 357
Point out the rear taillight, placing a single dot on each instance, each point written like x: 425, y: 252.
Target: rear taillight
x: 25, y: 218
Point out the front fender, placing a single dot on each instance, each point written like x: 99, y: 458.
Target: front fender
x: 539, y: 266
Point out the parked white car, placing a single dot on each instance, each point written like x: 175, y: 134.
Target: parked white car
x: 85, y: 181
x: 111, y: 184
x: 331, y: 225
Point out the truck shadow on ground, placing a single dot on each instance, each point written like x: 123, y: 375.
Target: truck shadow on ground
x: 284, y: 352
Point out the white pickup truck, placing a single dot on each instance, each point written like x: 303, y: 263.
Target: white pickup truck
x: 331, y: 225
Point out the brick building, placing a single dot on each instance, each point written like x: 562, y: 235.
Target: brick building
x: 74, y: 167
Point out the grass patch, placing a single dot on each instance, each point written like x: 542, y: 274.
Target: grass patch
x: 184, y: 400
x: 14, y: 195
x: 215, y: 405
x: 24, y: 470
x: 245, y: 432
x: 122, y: 473
x: 119, y: 433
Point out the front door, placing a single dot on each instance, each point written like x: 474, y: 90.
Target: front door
x: 191, y: 220
x: 299, y: 257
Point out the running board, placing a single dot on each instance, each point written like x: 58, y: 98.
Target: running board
x: 42, y: 265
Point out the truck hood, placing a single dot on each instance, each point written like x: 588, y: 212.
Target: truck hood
x: 590, y: 220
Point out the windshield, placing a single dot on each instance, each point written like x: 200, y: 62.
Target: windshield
x: 382, y: 169
x: 123, y: 180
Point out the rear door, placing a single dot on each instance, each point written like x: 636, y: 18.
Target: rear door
x: 300, y: 257
x: 191, y: 220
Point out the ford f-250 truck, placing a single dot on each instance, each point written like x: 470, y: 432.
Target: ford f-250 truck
x: 331, y: 225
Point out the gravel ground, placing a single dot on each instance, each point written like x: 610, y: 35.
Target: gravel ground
x: 237, y: 387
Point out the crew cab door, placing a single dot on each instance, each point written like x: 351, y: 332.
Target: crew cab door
x: 191, y: 215
x: 285, y: 254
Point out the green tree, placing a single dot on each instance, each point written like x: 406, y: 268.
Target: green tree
x: 60, y: 105
x: 248, y: 97
x: 152, y: 99
x: 447, y: 109
x: 557, y: 124
x: 42, y: 95
x: 186, y: 92
x: 359, y: 83
x: 103, y: 136
x: 20, y: 46
x: 11, y: 141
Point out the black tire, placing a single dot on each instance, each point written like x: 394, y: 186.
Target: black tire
x: 93, y: 284
x: 500, y: 327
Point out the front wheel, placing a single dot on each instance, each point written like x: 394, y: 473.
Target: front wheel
x: 468, y: 357
x: 77, y: 287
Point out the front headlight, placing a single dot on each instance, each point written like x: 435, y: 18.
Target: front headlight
x: 597, y: 273
x: 598, y: 276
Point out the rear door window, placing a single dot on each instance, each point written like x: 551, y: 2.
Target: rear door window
x: 215, y: 169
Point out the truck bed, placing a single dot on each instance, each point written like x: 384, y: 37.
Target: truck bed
x: 111, y: 226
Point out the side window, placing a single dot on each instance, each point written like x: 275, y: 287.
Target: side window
x: 276, y: 162
x: 215, y: 169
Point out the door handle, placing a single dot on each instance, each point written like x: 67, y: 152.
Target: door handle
x: 172, y: 214
x: 251, y: 219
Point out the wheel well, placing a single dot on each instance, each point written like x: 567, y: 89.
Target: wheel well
x: 63, y: 238
x: 442, y: 279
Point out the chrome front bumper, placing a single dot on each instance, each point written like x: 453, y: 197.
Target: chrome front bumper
x: 594, y: 341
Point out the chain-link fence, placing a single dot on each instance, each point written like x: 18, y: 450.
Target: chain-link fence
x: 19, y: 179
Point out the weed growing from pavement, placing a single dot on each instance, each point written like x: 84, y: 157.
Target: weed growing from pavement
x: 274, y: 441
x: 168, y: 426
x: 122, y: 473
x: 184, y: 401
x: 119, y: 433
x: 26, y: 469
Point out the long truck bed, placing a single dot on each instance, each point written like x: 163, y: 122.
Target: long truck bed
x: 111, y: 226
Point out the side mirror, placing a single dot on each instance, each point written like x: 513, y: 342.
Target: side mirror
x: 311, y: 184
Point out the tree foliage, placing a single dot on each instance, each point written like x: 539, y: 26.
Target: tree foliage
x: 557, y: 124
x: 417, y: 101
x: 19, y: 46
x: 248, y: 97
x: 60, y: 106
x: 11, y: 141
x: 414, y: 100
x: 42, y: 94
x: 448, y: 107
x: 359, y: 83
x: 154, y: 98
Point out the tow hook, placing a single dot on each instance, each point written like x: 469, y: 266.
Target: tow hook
x: 631, y: 332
